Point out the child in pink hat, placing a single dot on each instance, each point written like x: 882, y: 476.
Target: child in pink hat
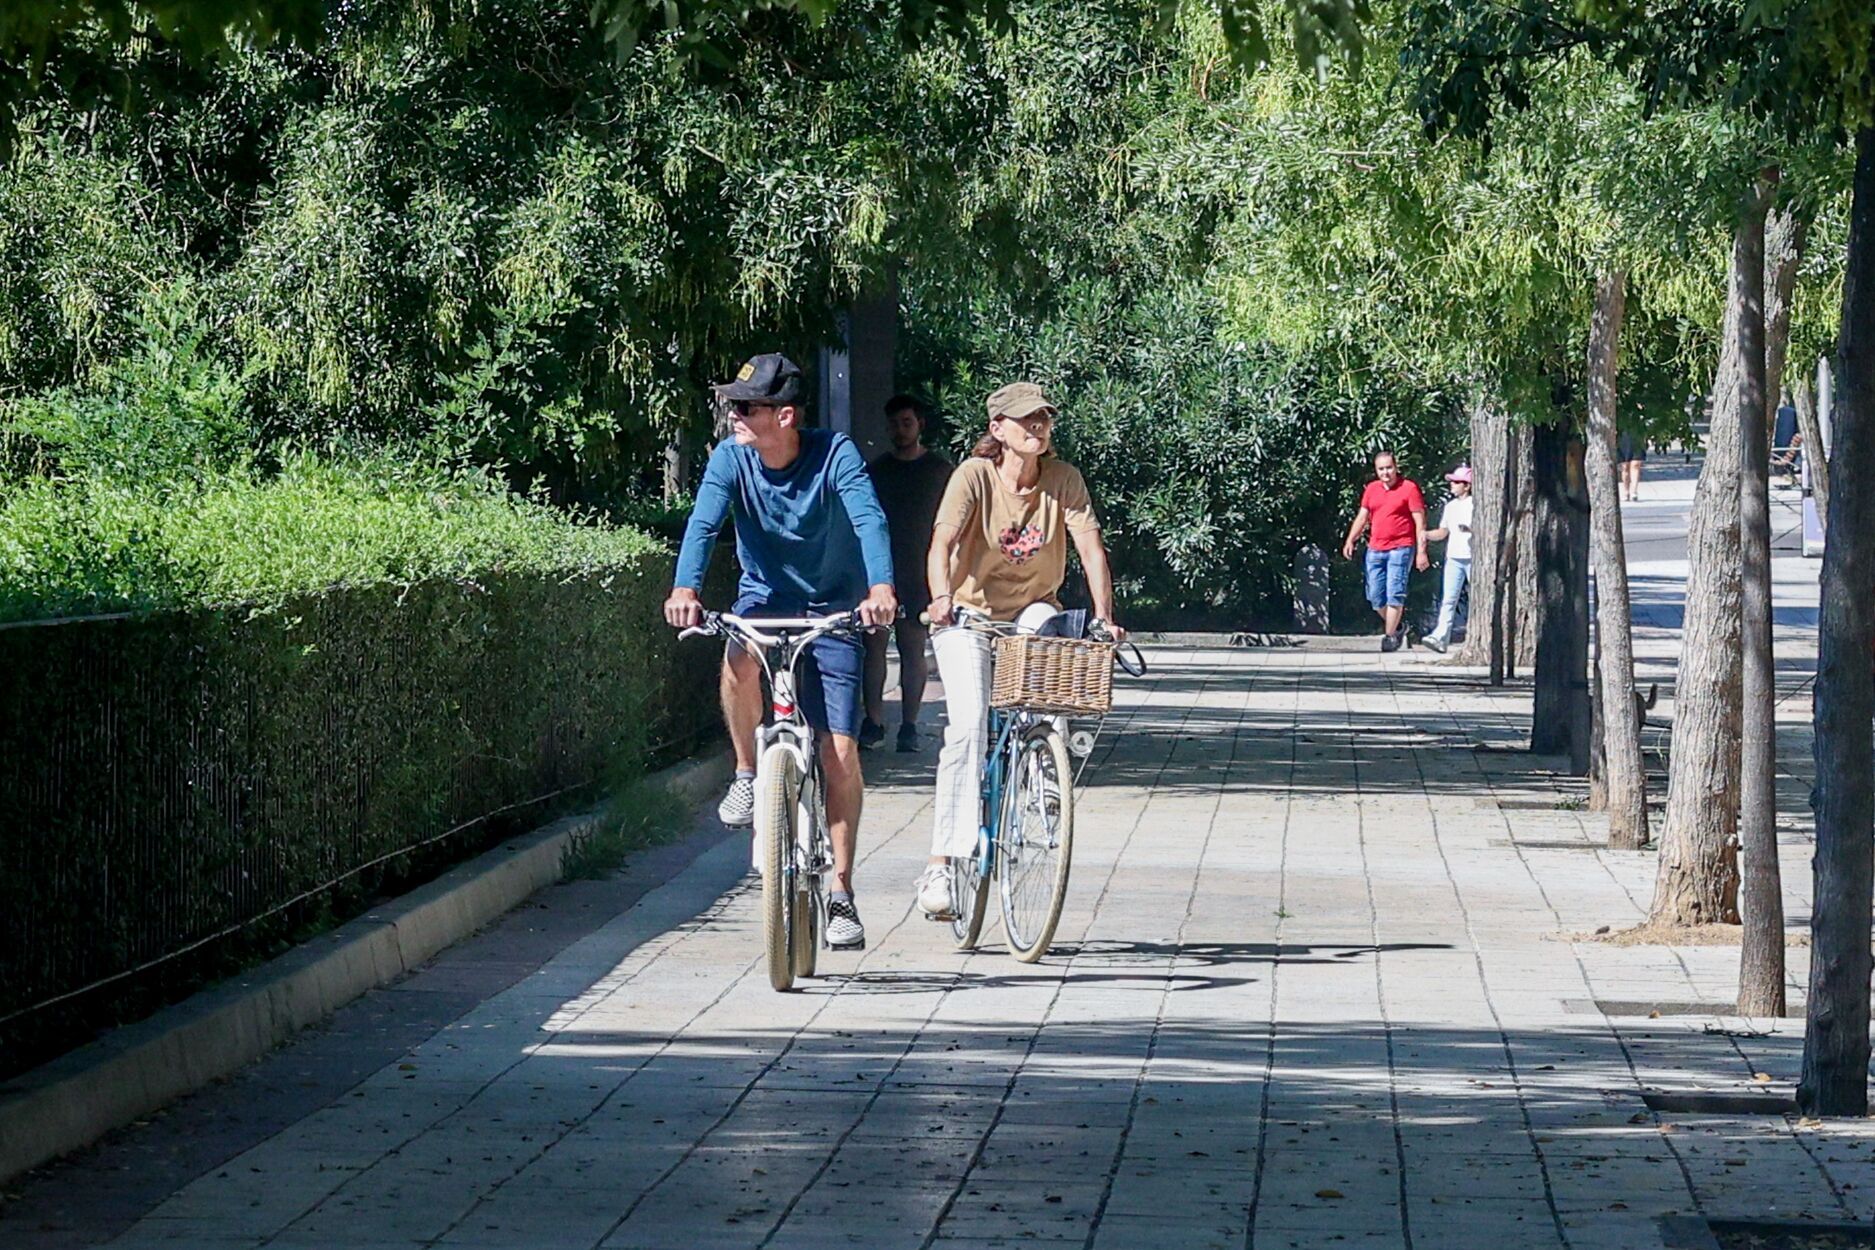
x: 1455, y: 531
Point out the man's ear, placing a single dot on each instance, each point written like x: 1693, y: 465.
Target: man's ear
x: 789, y: 415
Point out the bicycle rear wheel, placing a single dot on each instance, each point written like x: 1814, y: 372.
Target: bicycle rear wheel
x: 774, y: 830
x: 804, y: 934
x: 1034, y: 847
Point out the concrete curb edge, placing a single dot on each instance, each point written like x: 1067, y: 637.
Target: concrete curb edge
x: 134, y: 1070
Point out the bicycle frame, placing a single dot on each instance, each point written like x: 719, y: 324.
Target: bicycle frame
x: 1006, y: 727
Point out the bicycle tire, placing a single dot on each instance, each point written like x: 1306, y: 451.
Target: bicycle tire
x: 804, y: 935
x: 1034, y: 854
x: 774, y: 828
x: 970, y: 891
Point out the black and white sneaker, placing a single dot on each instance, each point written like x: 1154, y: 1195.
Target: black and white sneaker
x: 738, y: 805
x: 844, y: 931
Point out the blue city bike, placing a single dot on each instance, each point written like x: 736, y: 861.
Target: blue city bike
x: 1025, y: 832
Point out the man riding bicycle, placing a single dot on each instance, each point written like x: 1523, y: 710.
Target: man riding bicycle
x: 811, y: 538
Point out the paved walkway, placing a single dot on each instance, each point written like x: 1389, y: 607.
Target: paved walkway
x: 1319, y: 983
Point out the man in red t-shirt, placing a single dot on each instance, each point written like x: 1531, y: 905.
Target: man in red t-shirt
x: 1393, y: 513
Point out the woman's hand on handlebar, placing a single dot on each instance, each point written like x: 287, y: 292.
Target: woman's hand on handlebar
x: 683, y: 609
x: 1107, y: 631
x: 932, y: 615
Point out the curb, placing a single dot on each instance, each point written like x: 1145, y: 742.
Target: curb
x: 79, y: 1097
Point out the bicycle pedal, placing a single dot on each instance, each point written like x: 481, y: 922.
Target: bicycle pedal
x: 850, y: 946
x: 943, y: 917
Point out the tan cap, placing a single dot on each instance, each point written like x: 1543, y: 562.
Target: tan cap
x: 1018, y: 399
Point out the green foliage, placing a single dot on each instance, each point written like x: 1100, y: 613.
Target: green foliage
x: 1212, y: 462
x: 77, y: 546
x: 167, y: 413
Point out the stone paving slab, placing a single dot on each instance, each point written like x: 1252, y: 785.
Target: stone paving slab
x: 1316, y: 985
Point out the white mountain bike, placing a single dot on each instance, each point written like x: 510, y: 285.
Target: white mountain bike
x: 794, y: 848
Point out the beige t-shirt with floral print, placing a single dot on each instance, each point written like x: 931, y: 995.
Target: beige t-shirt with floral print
x: 1013, y: 548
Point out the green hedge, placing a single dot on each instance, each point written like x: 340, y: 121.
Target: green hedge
x: 174, y: 775
x: 93, y: 543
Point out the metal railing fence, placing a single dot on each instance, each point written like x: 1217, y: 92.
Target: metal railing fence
x: 170, y: 780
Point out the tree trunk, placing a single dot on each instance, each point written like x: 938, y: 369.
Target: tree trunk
x: 1815, y: 454
x: 1761, y: 886
x: 1517, y: 576
x: 1835, y: 1036
x: 1624, y: 772
x: 1697, y: 880
x: 1598, y: 738
x: 1560, y: 718
x: 1783, y: 250
x: 1491, y: 492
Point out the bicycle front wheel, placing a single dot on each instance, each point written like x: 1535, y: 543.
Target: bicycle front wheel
x: 774, y: 831
x: 970, y: 891
x: 1035, y: 845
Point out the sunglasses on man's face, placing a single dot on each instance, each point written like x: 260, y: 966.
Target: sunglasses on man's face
x: 743, y: 407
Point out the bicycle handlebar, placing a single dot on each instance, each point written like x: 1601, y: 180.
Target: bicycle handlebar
x: 1133, y: 666
x: 766, y: 631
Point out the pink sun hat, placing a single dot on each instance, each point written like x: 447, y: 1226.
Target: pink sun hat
x: 1461, y: 474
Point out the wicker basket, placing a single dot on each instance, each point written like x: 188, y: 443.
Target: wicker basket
x: 1070, y: 676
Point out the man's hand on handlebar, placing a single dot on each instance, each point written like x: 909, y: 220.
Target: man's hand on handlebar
x: 879, y: 607
x: 684, y: 609
x: 1108, y: 631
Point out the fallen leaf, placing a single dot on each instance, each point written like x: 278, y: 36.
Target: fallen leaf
x: 1329, y: 1193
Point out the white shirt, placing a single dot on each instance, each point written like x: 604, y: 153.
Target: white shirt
x: 1456, y: 522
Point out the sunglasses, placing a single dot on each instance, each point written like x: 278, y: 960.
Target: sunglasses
x: 743, y: 407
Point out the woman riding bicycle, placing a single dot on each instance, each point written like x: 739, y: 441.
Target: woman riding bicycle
x: 999, y: 550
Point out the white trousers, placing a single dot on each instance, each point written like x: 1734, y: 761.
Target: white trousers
x: 963, y: 660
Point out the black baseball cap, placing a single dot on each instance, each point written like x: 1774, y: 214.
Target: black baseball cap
x: 766, y: 379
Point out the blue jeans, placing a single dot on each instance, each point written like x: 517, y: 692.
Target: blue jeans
x: 1457, y: 573
x: 1386, y: 576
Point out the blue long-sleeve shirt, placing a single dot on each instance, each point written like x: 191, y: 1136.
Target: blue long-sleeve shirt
x: 811, y: 537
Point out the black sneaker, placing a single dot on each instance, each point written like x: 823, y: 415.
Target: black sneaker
x: 871, y: 733
x: 907, y: 739
x: 1389, y: 642
x: 844, y: 931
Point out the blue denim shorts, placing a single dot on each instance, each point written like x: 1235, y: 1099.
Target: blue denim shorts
x: 1386, y: 576
x: 832, y: 673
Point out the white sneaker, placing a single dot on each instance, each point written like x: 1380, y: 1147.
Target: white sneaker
x: 934, y: 892
x: 738, y: 805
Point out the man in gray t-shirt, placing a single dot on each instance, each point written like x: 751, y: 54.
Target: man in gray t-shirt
x: 910, y: 481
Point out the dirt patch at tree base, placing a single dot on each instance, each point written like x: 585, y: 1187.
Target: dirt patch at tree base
x: 1674, y: 935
